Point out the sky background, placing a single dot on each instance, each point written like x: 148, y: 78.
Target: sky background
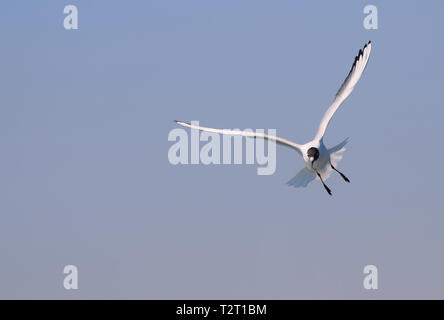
x: 84, y: 171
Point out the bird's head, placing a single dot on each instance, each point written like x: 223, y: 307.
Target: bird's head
x: 313, y: 154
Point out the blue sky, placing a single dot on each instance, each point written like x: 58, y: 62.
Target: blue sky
x: 85, y: 178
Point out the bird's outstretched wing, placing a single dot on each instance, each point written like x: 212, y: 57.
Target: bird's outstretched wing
x: 278, y: 140
x: 353, y: 77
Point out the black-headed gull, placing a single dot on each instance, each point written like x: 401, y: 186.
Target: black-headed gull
x: 320, y: 162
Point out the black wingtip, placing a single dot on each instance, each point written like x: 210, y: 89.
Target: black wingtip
x: 181, y: 122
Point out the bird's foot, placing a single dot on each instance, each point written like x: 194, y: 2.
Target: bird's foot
x: 327, y: 189
x: 345, y: 178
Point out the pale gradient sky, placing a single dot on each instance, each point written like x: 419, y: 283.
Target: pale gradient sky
x: 85, y: 178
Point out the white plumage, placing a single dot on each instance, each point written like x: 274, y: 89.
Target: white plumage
x: 320, y: 162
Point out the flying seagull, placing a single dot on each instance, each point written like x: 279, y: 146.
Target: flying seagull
x: 320, y: 162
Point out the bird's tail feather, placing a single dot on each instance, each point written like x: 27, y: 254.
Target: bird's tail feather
x: 302, y: 179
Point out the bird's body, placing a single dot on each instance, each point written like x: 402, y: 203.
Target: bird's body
x: 324, y: 164
x: 320, y: 161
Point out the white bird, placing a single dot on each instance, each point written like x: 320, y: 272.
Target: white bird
x: 320, y: 162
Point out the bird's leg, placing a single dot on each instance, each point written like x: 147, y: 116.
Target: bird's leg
x: 325, y: 186
x: 342, y: 175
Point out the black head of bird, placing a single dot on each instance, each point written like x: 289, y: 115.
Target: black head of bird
x: 313, y: 154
